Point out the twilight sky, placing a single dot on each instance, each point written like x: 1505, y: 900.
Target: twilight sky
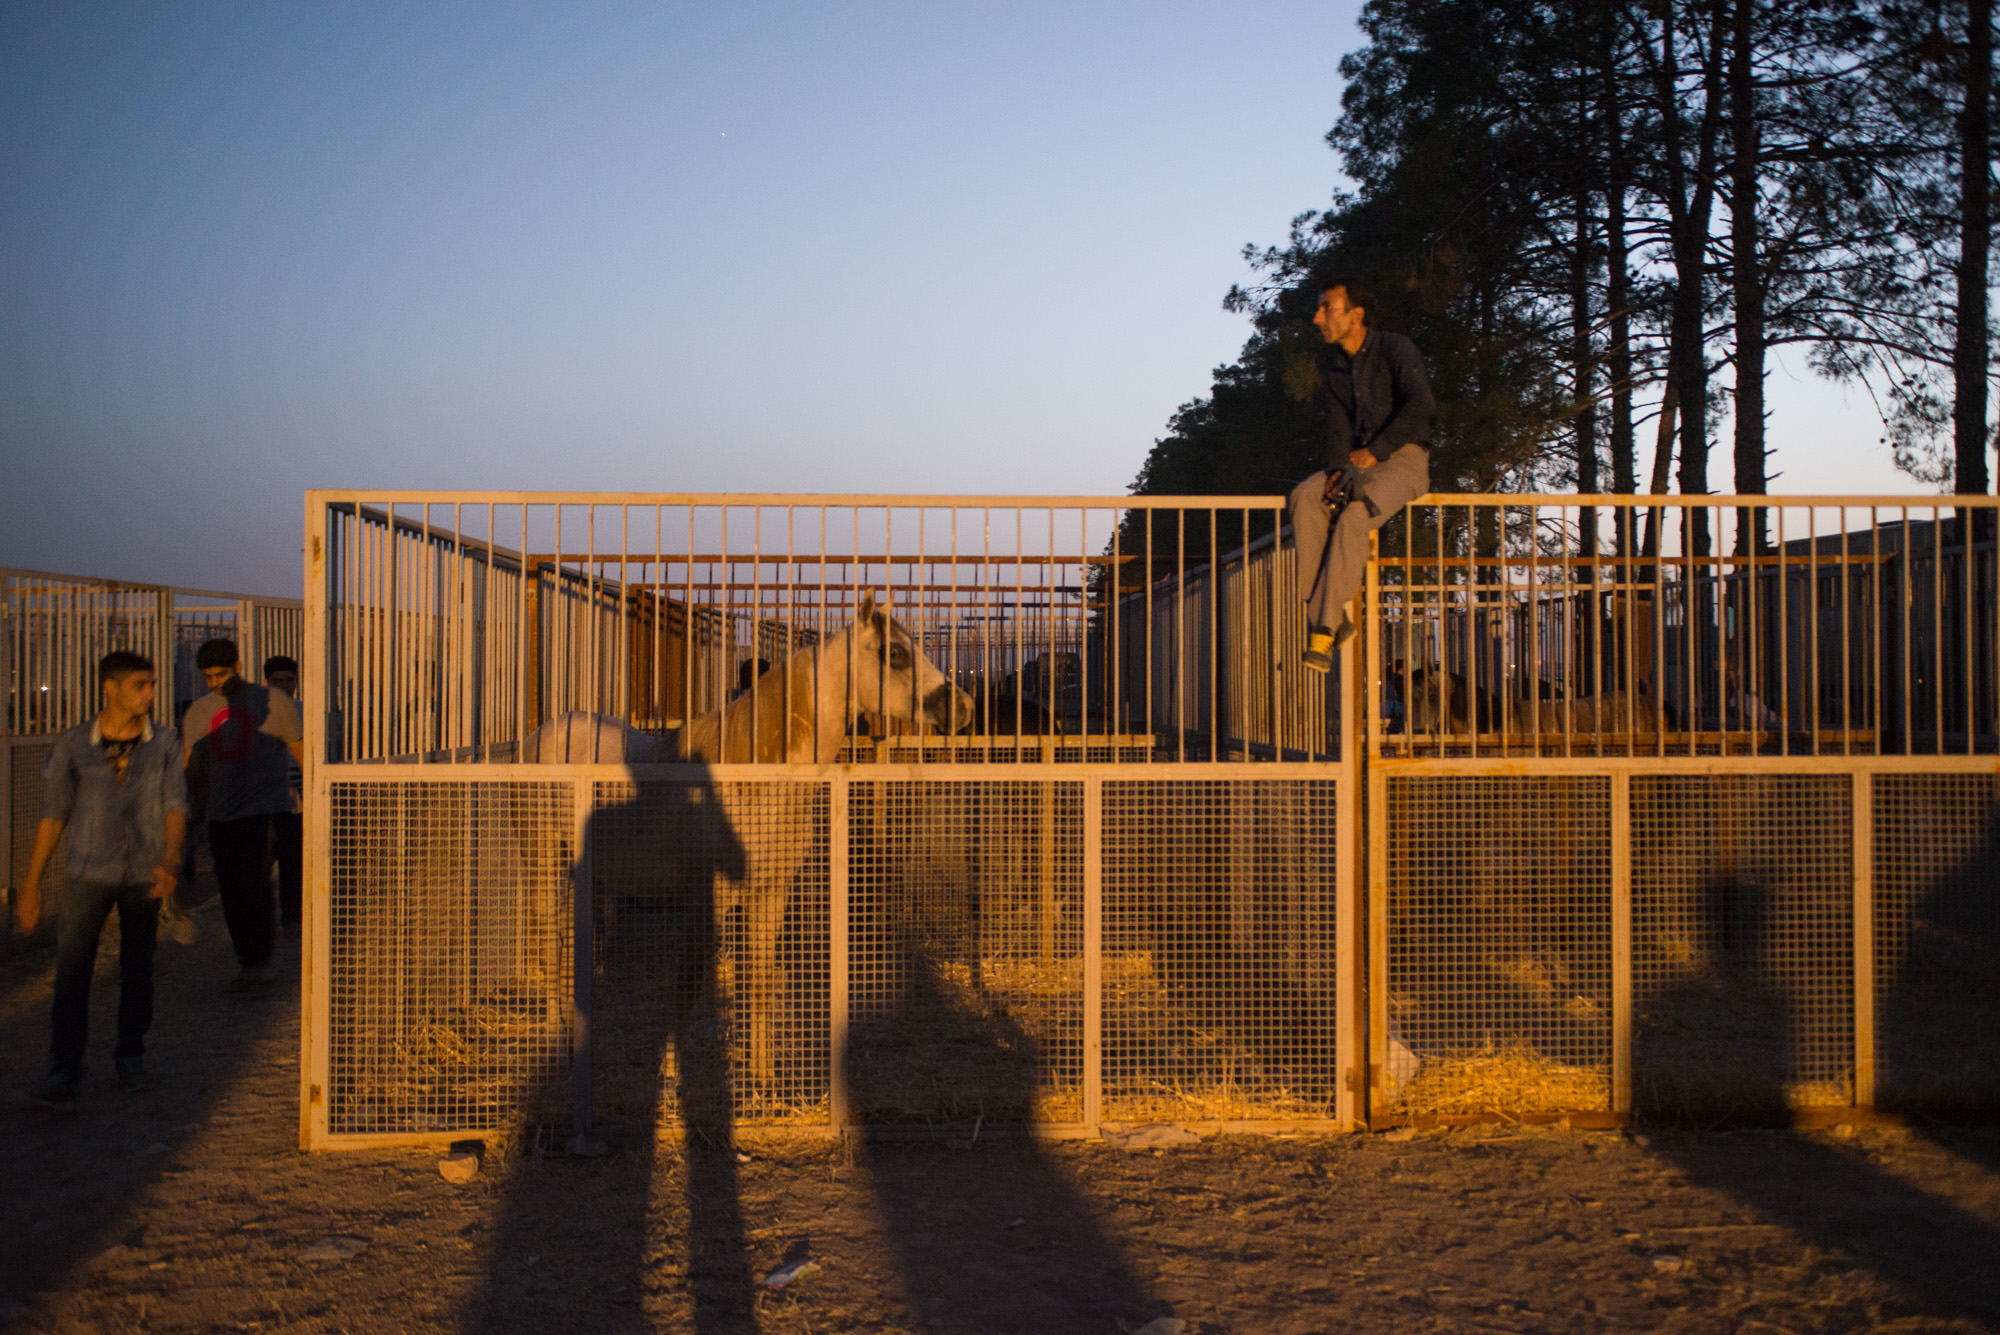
x: 250, y: 248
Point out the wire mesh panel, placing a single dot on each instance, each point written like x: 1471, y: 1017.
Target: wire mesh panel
x: 1218, y: 950
x: 449, y: 954
x: 1937, y: 940
x: 1742, y: 949
x: 967, y: 947
x: 1498, y: 938
x: 711, y: 933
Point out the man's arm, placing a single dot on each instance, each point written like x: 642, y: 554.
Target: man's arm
x: 28, y: 902
x: 168, y: 872
x: 1415, y: 403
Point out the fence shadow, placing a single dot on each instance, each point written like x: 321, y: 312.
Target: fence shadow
x: 1726, y: 1045
x: 1938, y: 1023
x: 989, y: 1230
x: 572, y: 1226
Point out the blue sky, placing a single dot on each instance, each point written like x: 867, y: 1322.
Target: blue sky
x: 247, y: 249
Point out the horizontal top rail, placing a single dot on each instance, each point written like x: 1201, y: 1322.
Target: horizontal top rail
x: 914, y: 500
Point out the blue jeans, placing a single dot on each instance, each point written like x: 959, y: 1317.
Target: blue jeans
x: 85, y: 906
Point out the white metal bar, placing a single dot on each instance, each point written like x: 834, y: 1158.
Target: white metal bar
x: 1621, y: 941
x: 840, y: 946
x: 1863, y: 825
x: 1093, y: 951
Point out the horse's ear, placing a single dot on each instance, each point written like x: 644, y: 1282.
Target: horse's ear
x: 866, y: 612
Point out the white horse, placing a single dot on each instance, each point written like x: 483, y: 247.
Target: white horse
x: 798, y: 712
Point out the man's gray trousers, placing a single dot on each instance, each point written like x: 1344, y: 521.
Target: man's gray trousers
x: 1331, y: 565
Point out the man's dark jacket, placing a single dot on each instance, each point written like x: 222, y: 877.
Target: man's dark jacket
x: 1378, y: 399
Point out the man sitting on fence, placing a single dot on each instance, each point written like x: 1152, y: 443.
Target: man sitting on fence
x: 237, y: 738
x: 1379, y: 435
x: 116, y: 785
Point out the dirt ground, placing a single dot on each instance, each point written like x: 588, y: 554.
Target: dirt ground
x: 190, y: 1208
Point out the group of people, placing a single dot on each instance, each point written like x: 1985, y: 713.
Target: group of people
x: 124, y: 792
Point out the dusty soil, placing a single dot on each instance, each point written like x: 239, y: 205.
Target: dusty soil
x: 190, y: 1208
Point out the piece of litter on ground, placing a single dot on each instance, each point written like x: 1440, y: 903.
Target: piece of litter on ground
x: 461, y: 1167
x: 1016, y: 1222
x: 785, y: 1274
x: 1162, y: 1325
x: 1667, y: 1262
x: 1155, y: 1137
x: 1844, y: 1131
x: 337, y: 1247
x: 116, y: 1252
x: 741, y: 1157
x: 1642, y: 1141
x: 1401, y: 1133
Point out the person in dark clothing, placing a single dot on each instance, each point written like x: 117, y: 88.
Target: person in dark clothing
x: 288, y: 827
x: 1379, y: 407
x: 116, y: 785
x: 238, y: 737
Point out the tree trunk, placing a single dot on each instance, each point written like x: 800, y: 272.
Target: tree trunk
x: 1749, y: 278
x: 1689, y: 204
x: 1969, y: 351
x: 1618, y: 298
x: 1582, y: 358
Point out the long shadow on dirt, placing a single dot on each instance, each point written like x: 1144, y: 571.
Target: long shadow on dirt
x: 572, y: 1249
x: 72, y: 1176
x: 1942, y: 1257
x: 989, y: 1231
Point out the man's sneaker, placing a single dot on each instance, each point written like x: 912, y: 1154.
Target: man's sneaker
x: 1319, y: 651
x: 251, y: 978
x: 57, y: 1090
x: 132, y: 1075
x: 1343, y: 632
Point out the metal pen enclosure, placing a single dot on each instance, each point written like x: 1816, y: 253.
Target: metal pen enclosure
x: 525, y: 904
x: 55, y: 628
x: 1683, y: 807
x: 1630, y: 784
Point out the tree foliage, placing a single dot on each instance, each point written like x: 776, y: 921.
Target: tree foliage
x: 1597, y: 217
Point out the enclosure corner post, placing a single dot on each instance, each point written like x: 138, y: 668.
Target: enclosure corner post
x: 838, y: 946
x: 1621, y: 942
x: 1093, y: 953
x: 314, y: 953
x: 1863, y: 823
x: 583, y: 956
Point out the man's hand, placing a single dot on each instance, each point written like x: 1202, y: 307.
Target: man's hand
x: 164, y: 880
x: 1363, y: 458
x: 27, y: 907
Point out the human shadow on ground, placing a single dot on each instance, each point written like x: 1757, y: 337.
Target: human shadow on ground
x: 572, y: 1250
x: 989, y: 1230
x: 1938, y: 959
x: 1735, y: 1043
x: 74, y: 1177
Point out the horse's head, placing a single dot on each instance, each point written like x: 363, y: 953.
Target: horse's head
x: 893, y: 678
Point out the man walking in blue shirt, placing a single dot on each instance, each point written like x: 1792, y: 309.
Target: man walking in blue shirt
x: 117, y: 785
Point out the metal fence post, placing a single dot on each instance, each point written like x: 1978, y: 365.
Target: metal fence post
x: 1621, y: 941
x: 1863, y: 823
x: 839, y: 920
x: 583, y: 956
x: 1349, y: 999
x: 1093, y: 953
